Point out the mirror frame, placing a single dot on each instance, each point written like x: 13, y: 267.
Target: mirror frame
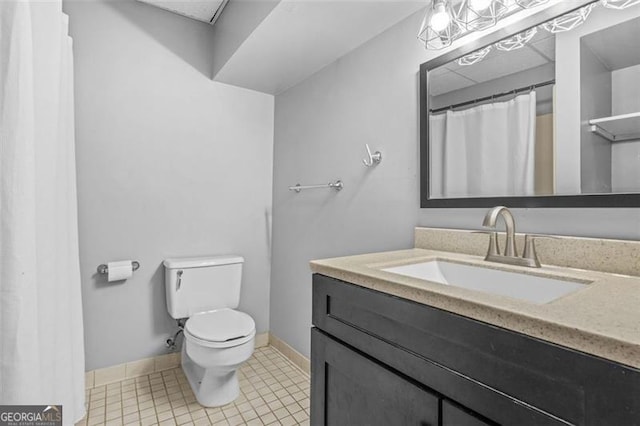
x: 588, y: 200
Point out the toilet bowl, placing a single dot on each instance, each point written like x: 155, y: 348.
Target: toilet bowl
x: 218, y: 339
x: 216, y: 344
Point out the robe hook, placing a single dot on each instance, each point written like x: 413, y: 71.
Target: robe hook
x: 373, y: 159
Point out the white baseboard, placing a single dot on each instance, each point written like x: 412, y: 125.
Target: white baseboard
x: 143, y: 367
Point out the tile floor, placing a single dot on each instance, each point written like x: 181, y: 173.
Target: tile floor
x: 273, y: 391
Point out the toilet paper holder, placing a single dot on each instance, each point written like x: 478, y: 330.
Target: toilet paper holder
x: 104, y: 269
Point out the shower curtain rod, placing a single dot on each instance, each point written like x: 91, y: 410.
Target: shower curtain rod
x: 495, y: 96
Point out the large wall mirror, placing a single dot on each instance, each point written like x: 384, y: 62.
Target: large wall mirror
x: 543, y: 113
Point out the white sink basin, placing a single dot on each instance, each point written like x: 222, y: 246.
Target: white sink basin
x: 511, y: 284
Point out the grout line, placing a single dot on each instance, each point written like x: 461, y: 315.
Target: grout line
x: 262, y: 377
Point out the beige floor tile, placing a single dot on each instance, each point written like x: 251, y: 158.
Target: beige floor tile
x: 95, y: 421
x: 268, y: 418
x: 149, y: 421
x: 149, y: 412
x: 281, y: 413
x: 300, y: 416
x: 131, y: 418
x: 198, y: 414
x: 165, y: 415
x: 262, y: 410
x: 273, y: 391
x: 179, y: 411
x: 183, y: 419
x: 275, y: 405
x: 145, y: 405
x: 202, y: 422
x: 288, y: 421
x: 293, y: 408
x: 216, y: 417
x: 230, y: 411
x: 112, y: 415
x: 249, y: 415
x: 236, y: 420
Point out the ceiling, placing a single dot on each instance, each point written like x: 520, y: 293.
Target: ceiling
x: 452, y: 76
x: 272, y: 45
x: 299, y: 37
x: 201, y: 10
x: 270, y: 48
x: 624, y: 37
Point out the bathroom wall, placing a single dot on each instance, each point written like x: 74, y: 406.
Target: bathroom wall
x: 321, y: 126
x: 625, y: 156
x: 595, y: 102
x: 568, y: 108
x: 169, y: 164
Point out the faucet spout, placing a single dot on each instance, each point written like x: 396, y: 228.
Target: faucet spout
x: 490, y: 221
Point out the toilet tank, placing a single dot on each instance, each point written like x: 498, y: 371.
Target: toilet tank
x: 198, y: 284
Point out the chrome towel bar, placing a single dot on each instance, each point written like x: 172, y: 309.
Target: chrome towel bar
x: 337, y: 185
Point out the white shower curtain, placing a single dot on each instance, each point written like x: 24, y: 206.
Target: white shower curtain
x: 488, y: 150
x: 41, y: 333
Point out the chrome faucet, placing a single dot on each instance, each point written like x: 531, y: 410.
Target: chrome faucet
x: 510, y: 256
x: 490, y: 220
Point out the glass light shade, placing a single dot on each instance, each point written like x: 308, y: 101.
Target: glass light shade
x: 619, y: 4
x: 569, y: 21
x: 480, y: 14
x: 474, y: 57
x: 530, y: 4
x: 438, y: 29
x: 517, y: 41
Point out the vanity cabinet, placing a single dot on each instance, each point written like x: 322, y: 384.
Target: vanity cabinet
x: 378, y: 359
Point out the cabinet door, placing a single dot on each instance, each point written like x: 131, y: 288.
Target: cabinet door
x: 452, y: 415
x: 349, y: 388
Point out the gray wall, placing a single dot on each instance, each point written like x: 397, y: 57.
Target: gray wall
x: 625, y: 167
x: 321, y: 126
x: 595, y: 102
x: 169, y: 164
x: 568, y: 157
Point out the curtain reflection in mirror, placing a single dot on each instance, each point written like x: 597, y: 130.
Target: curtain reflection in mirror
x: 487, y: 150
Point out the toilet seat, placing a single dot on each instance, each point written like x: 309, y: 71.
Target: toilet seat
x: 220, y: 328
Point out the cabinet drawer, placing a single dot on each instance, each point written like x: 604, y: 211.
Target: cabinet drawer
x: 351, y: 389
x: 505, y: 376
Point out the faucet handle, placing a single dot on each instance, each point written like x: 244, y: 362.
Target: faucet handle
x: 530, y: 247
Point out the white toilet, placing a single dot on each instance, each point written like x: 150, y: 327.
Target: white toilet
x: 217, y: 338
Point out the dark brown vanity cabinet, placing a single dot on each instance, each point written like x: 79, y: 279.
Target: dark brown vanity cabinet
x: 378, y: 359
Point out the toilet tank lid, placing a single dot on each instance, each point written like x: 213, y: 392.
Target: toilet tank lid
x: 201, y: 262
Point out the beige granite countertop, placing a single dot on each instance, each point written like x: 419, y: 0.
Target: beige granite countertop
x: 602, y: 319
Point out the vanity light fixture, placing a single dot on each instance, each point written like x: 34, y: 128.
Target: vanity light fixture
x: 517, y: 41
x: 569, y: 21
x: 480, y: 14
x: 619, y: 4
x: 530, y: 4
x: 439, y: 29
x: 474, y: 57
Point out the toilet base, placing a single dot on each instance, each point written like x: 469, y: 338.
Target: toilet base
x: 212, y: 387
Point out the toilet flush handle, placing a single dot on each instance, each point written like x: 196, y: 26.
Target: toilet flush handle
x: 179, y: 284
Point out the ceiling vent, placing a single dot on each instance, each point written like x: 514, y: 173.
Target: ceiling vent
x: 202, y: 10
